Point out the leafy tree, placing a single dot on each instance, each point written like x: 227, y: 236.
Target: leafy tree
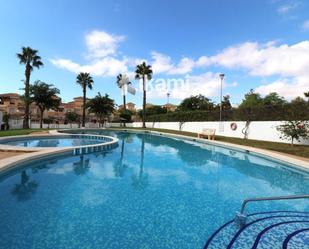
x: 274, y: 107
x: 294, y: 130
x: 198, y: 102
x: 226, y: 104
x: 102, y: 106
x: 153, y: 110
x: 250, y: 107
x: 143, y: 71
x: 30, y: 58
x: 297, y: 109
x: 6, y: 120
x: 126, y: 114
x: 45, y: 97
x: 85, y: 81
x: 273, y: 99
x: 49, y: 120
x: 72, y: 117
x: 226, y: 108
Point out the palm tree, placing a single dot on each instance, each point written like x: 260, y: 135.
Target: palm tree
x: 45, y: 97
x: 122, y: 82
x: 30, y: 58
x: 142, y: 71
x: 120, y: 79
x: 102, y: 106
x: 85, y: 81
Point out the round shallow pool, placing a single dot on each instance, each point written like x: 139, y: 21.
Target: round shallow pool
x: 149, y: 192
x: 53, y: 142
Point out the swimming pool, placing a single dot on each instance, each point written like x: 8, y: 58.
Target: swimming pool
x: 54, y: 141
x: 149, y: 192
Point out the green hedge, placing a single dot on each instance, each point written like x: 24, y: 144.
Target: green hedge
x: 240, y: 114
x: 186, y: 116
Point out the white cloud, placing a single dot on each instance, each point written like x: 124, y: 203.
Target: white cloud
x: 207, y: 84
x: 108, y: 66
x: 289, y: 88
x: 289, y: 62
x: 102, y: 55
x: 265, y: 60
x: 162, y: 63
x: 101, y: 44
x: 305, y: 25
x: 287, y: 8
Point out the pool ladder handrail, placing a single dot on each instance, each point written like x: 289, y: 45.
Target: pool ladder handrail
x: 241, y: 217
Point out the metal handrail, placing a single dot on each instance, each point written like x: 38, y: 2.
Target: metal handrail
x: 240, y: 218
x: 290, y: 197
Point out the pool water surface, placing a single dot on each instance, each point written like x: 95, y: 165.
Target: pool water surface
x: 53, y: 142
x: 149, y: 192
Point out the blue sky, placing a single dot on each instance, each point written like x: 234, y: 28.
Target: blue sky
x: 259, y: 44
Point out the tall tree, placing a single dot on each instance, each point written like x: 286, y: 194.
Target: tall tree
x: 250, y: 108
x: 72, y: 117
x: 45, y: 97
x: 85, y: 81
x: 102, y: 106
x: 122, y: 82
x: 29, y: 57
x: 297, y: 109
x: 198, y: 102
x: 143, y: 72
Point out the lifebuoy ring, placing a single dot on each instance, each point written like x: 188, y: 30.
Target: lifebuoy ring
x: 233, y: 126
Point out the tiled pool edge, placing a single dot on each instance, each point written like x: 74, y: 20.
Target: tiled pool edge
x: 267, y: 154
x: 32, y: 153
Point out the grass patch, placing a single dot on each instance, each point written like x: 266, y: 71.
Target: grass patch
x: 296, y: 150
x: 19, y: 132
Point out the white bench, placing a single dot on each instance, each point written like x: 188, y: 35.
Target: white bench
x: 210, y: 133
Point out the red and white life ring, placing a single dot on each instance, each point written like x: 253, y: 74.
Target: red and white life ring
x: 233, y: 126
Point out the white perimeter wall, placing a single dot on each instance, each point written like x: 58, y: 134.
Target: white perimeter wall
x: 258, y: 130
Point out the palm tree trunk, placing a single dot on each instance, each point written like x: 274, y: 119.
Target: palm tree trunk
x: 27, y: 96
x: 41, y: 118
x: 144, y: 102
x: 84, y: 107
x: 124, y: 107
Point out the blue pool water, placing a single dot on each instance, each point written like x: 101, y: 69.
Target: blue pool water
x: 149, y: 192
x: 53, y: 142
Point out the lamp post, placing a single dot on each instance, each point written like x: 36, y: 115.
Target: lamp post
x: 168, y: 98
x: 221, y: 77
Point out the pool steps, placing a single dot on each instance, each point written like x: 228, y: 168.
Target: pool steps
x: 277, y: 229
